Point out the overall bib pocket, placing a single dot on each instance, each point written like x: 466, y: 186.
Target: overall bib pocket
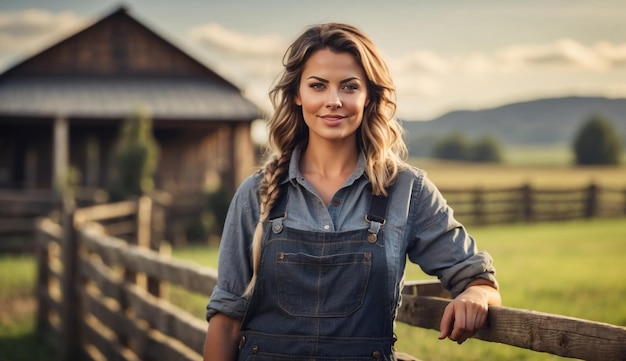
x: 321, y: 286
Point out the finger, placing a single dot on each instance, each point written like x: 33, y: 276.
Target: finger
x: 476, y: 317
x: 446, y: 322
x: 460, y: 320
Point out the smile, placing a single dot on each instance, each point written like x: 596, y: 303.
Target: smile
x: 333, y: 117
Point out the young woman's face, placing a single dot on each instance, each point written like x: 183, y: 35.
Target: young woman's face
x: 333, y: 96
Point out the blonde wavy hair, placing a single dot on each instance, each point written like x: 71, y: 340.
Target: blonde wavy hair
x: 380, y: 134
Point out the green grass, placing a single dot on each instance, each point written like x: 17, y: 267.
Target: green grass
x: 18, y: 339
x: 547, y: 155
x: 573, y: 268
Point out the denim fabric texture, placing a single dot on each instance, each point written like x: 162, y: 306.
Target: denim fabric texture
x: 419, y: 226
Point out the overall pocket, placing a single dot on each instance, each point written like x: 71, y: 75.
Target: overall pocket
x: 321, y: 286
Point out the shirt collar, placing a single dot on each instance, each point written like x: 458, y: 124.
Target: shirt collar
x: 294, y: 167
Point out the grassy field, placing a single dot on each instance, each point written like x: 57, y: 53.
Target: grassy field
x: 542, y: 166
x: 464, y: 175
x: 18, y: 340
x: 573, y: 268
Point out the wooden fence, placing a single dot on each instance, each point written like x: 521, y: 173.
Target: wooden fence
x: 20, y: 208
x: 97, y: 302
x: 478, y: 206
x: 526, y: 203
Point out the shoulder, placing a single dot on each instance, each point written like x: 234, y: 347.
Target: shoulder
x: 251, y: 182
x: 247, y: 192
x: 415, y: 181
x: 408, y: 174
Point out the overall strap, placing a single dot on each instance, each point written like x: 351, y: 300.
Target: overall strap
x: 279, y: 211
x: 376, y: 215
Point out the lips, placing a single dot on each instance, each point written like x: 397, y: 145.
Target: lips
x: 333, y: 120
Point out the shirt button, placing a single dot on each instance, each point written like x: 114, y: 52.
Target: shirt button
x: 326, y: 227
x: 255, y: 349
x: 377, y: 355
x: 336, y: 202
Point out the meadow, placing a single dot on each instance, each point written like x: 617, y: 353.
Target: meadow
x: 573, y: 268
x: 540, y: 166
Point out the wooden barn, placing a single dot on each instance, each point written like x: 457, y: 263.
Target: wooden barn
x: 66, y: 104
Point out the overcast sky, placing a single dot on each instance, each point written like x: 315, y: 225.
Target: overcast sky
x: 443, y: 55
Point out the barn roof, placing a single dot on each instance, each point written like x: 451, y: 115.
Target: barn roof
x: 113, y: 66
x: 167, y: 98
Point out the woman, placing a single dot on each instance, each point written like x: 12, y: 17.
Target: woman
x: 314, y: 245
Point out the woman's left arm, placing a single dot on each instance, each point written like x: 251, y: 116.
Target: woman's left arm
x: 467, y: 313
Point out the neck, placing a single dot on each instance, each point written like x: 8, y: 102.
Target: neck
x: 329, y: 160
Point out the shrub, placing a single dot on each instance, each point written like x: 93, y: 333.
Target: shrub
x: 135, y: 158
x: 457, y: 147
x: 597, y: 143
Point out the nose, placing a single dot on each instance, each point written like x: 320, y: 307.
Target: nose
x: 333, y: 100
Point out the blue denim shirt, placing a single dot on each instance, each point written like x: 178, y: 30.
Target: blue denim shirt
x: 419, y: 221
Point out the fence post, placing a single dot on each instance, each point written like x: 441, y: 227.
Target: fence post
x: 591, y: 206
x: 527, y: 202
x: 43, y: 273
x: 479, y: 206
x: 146, y: 237
x: 157, y: 227
x: 70, y: 308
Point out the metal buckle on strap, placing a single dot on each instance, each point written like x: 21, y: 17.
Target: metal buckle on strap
x: 277, y: 225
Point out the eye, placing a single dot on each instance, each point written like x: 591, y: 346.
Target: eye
x: 351, y: 87
x: 316, y: 86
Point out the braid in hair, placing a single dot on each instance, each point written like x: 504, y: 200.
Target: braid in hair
x: 269, y: 192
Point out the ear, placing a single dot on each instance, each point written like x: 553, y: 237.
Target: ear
x: 298, y: 101
x: 367, y: 101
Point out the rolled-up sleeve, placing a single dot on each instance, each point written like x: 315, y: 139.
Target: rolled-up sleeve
x: 441, y: 245
x: 234, y: 260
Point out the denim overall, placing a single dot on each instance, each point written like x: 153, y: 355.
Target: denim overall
x: 320, y: 295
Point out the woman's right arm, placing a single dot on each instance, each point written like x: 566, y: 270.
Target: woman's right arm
x: 222, y: 338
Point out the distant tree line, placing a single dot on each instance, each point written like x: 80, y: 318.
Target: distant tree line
x: 456, y: 146
x: 597, y: 142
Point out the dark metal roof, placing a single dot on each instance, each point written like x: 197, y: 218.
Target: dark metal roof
x: 117, y: 97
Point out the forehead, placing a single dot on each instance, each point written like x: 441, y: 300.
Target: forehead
x: 325, y: 62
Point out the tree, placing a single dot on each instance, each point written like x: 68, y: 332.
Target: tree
x: 457, y: 147
x: 597, y: 143
x: 486, y: 149
x: 452, y: 147
x: 135, y: 158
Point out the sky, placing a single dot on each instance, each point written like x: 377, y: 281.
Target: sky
x: 444, y: 55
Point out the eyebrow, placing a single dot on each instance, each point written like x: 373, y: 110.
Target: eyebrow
x: 326, y: 81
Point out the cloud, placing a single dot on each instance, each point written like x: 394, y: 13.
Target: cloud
x: 423, y: 61
x: 564, y: 54
x: 27, y: 30
x: 217, y: 37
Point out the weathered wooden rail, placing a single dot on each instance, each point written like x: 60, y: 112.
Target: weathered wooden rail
x: 97, y: 302
x: 484, y: 206
x: 531, y: 204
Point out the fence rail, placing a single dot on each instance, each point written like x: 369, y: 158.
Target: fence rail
x: 482, y: 206
x: 531, y: 204
x: 105, y: 312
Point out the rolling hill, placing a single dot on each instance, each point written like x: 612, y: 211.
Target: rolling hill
x: 537, y: 122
